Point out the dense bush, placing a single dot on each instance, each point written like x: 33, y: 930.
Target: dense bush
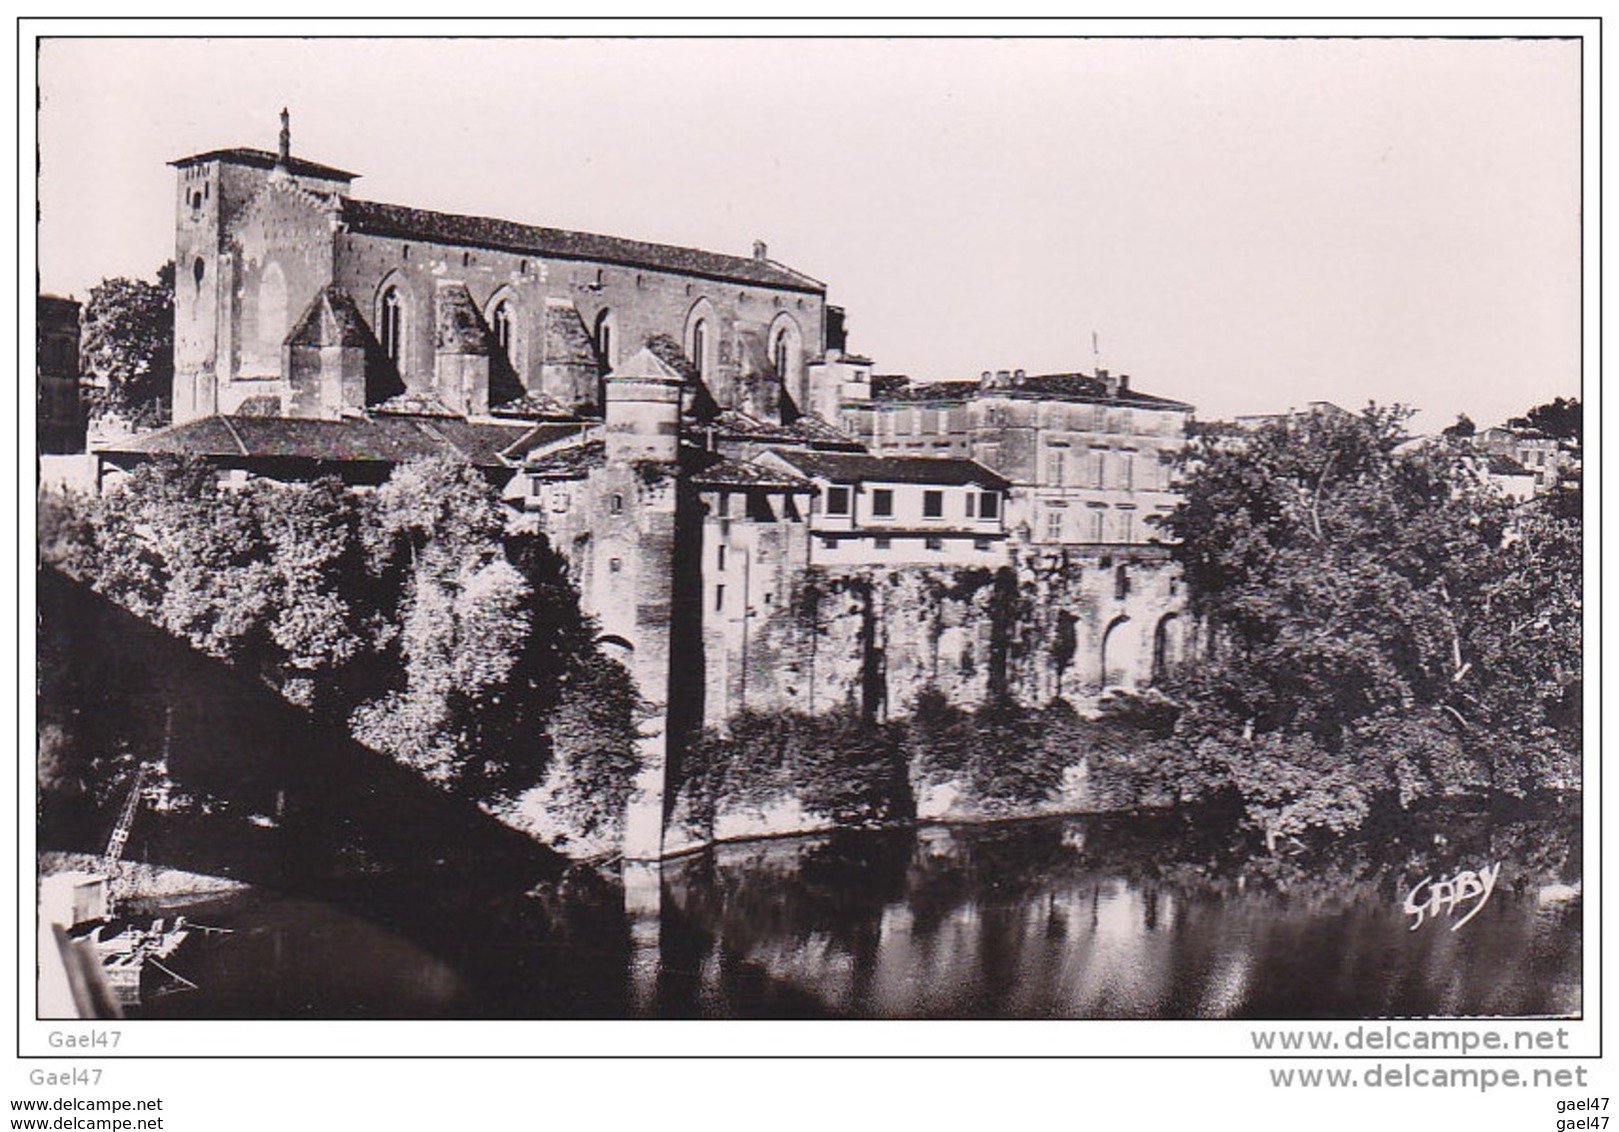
x: 410, y: 614
x: 1387, y: 626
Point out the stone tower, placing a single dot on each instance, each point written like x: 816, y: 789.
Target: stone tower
x: 211, y: 191
x: 634, y: 498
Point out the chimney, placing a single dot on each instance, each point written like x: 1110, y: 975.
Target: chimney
x: 760, y: 250
x: 1124, y: 383
x: 1019, y: 377
x: 1003, y: 378
x: 985, y: 379
x: 1109, y: 382
x: 286, y: 139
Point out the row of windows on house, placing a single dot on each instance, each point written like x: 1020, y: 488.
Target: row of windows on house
x: 1093, y: 525
x: 1104, y: 468
x: 1077, y: 417
x: 886, y: 542
x: 977, y: 505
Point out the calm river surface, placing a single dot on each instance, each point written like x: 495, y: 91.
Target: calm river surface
x: 1093, y: 917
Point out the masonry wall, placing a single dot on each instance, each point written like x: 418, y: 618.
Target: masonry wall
x: 1058, y: 622
x: 642, y: 303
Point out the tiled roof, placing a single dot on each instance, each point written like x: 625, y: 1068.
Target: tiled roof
x: 264, y: 159
x: 1505, y: 466
x: 414, y: 405
x: 570, y: 463
x: 387, y: 440
x: 485, y: 443
x: 260, y: 405
x: 807, y: 429
x: 843, y: 467
x: 935, y: 391
x: 818, y: 430
x: 1043, y: 387
x: 533, y: 406
x: 378, y: 219
x: 708, y: 469
x: 539, y: 436
x: 331, y: 319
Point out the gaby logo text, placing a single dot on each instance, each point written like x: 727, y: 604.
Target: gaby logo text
x: 1430, y: 898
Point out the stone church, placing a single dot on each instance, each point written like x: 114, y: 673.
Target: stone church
x: 294, y: 298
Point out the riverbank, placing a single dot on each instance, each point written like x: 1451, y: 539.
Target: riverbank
x: 135, y: 880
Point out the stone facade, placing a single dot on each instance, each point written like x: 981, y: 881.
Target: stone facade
x: 666, y: 417
x: 1089, y: 458
x: 260, y: 237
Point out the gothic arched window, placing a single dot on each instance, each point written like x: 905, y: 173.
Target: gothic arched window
x: 606, y: 343
x: 500, y: 321
x: 391, y: 324
x: 699, y: 346
x: 786, y: 350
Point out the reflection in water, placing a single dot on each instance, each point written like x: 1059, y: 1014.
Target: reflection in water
x: 1089, y: 918
x: 1100, y: 917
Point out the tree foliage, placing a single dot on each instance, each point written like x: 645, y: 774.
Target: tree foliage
x: 1464, y: 427
x: 128, y: 348
x: 1561, y: 417
x: 409, y: 612
x: 1386, y: 624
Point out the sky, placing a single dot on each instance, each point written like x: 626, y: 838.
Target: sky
x: 1246, y: 225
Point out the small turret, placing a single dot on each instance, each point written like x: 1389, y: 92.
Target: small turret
x: 643, y: 410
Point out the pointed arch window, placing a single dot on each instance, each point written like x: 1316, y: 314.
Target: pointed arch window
x: 786, y: 350
x: 391, y: 324
x: 699, y: 346
x: 778, y: 352
x: 500, y: 322
x: 607, y: 339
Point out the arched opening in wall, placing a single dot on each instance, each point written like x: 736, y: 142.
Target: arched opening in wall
x: 198, y: 270
x: 391, y: 325
x: 272, y: 312
x: 787, y: 356
x: 1119, y: 654
x: 500, y: 325
x: 700, y: 340
x: 699, y: 347
x: 606, y: 339
x: 1167, y: 647
x: 504, y: 319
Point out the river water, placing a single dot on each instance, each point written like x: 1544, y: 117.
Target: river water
x: 1147, y: 916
